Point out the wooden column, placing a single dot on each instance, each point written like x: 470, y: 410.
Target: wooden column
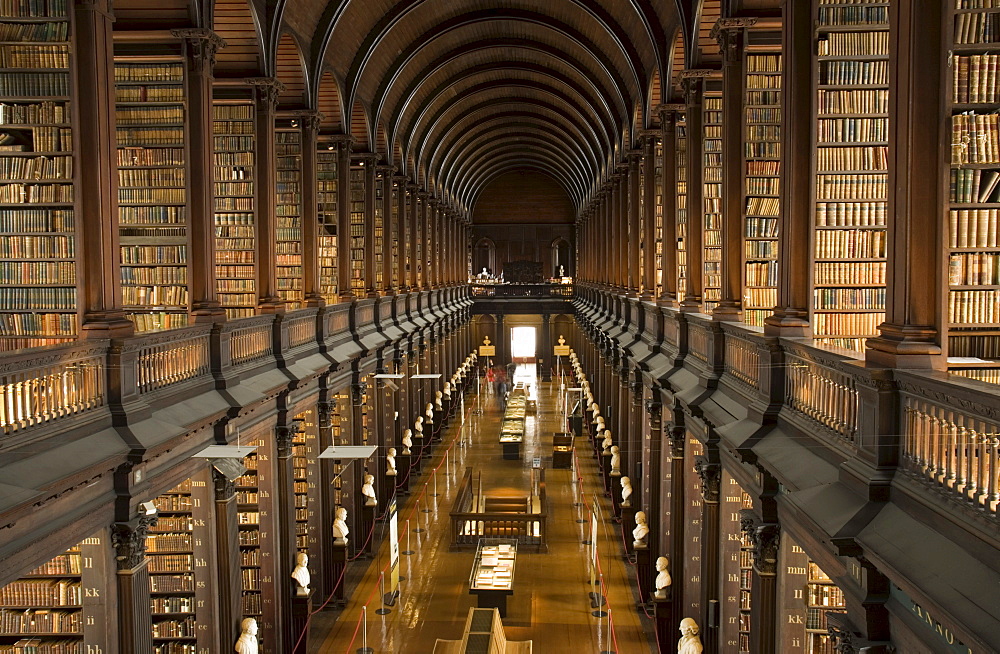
x: 731, y: 36
x: 383, y: 177
x: 764, y: 539
x: 135, y: 616
x: 201, y: 44
x: 791, y: 315
x: 432, y: 242
x: 402, y: 273
x: 227, y: 534
x: 265, y: 95
x: 98, y: 249
x: 678, y: 499
x: 668, y: 133
x: 611, y: 235
x: 635, y: 238
x: 911, y: 336
x: 310, y: 121
x: 413, y: 234
x: 710, y: 474
x: 425, y: 211
x: 621, y: 214
x: 367, y: 161
x: 285, y: 549
x: 652, y: 452
x: 648, y: 191
x: 694, y: 88
x: 344, y: 220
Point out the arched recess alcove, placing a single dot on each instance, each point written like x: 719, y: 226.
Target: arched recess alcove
x: 527, y: 216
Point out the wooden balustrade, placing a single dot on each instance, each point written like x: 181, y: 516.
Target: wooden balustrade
x: 45, y: 385
x: 953, y: 450
x: 822, y: 393
x: 301, y: 327
x: 742, y: 360
x: 172, y: 357
x: 251, y: 341
x: 698, y: 340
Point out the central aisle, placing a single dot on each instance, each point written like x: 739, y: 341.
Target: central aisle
x: 550, y: 604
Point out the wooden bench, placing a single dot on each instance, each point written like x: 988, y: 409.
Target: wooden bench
x: 483, y: 633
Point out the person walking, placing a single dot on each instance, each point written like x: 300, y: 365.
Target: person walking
x: 490, y: 379
x: 502, y: 387
x: 511, y: 369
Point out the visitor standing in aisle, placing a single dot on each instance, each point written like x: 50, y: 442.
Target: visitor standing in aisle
x: 490, y: 379
x: 511, y: 369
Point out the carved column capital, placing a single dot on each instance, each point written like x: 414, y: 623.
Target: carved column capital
x: 311, y: 120
x: 129, y: 540
x: 225, y: 488
x: 711, y: 477
x: 203, y: 44
x: 764, y: 538
x: 676, y: 436
x: 729, y: 34
x: 266, y: 91
x: 283, y: 437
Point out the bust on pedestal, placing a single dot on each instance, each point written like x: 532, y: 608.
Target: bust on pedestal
x: 301, y: 574
x: 368, y: 490
x: 641, y: 530
x: 247, y: 642
x: 689, y: 642
x: 407, y: 441
x: 390, y: 462
x: 616, y: 470
x: 340, y: 529
x: 606, y: 444
x: 663, y: 578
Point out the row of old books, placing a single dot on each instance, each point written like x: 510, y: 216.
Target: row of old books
x: 38, y: 298
x: 155, y: 296
x: 974, y: 269
x: 858, y: 157
x: 854, y: 73
x: 853, y: 14
x: 51, y: 31
x: 760, y: 227
x: 862, y: 186
x: 140, y: 156
x: 974, y: 306
x: 162, y: 542
x: 37, y: 247
x: 760, y: 249
x: 850, y: 244
x: 849, y: 298
x: 976, y: 27
x: 971, y: 228
x: 149, y: 136
x: 860, y: 101
x: 42, y: 592
x: 149, y: 115
x: 37, y: 324
x: 36, y: 168
x: 973, y: 185
x: 760, y: 297
x: 34, y: 56
x: 851, y: 44
x: 154, y: 275
x: 171, y: 563
x: 975, y: 79
x: 164, y: 254
x: 33, y: 8
x: 154, y: 72
x: 39, y: 621
x: 839, y: 130
x: 758, y: 273
x: 851, y: 214
x: 150, y: 93
x: 975, y: 139
x: 155, y: 196
x: 846, y: 324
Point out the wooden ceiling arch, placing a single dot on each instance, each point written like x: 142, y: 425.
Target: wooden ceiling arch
x: 290, y: 70
x: 546, y: 141
x: 448, y: 149
x: 329, y: 105
x: 395, y: 103
x: 532, y: 150
x: 496, y: 168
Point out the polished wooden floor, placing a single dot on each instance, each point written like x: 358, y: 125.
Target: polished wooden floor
x: 551, y: 605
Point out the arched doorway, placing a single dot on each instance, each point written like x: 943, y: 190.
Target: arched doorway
x: 484, y: 255
x: 562, y: 259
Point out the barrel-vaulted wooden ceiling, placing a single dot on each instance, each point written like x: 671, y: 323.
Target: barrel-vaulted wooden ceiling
x: 455, y: 93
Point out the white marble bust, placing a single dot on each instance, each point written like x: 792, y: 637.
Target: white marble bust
x: 340, y: 530
x: 368, y: 490
x: 247, y: 642
x: 429, y: 412
x: 626, y: 490
x: 606, y: 443
x: 689, y: 642
x: 616, y: 461
x: 407, y: 441
x: 301, y: 574
x: 418, y: 427
x: 390, y: 462
x: 641, y: 530
x: 663, y: 578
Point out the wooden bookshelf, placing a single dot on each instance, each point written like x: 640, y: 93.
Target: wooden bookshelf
x: 152, y: 190
x: 746, y: 575
x: 38, y: 279
x: 762, y: 168
x: 659, y: 242
x: 396, y: 195
x: 248, y: 517
x: 712, y: 198
x: 305, y: 473
x: 178, y: 550
x: 822, y: 597
x: 972, y: 303
x: 850, y: 164
x: 357, y: 200
x: 680, y: 152
x: 381, y: 179
x: 327, y: 199
x: 235, y: 221
x: 54, y: 608
x: 289, y: 212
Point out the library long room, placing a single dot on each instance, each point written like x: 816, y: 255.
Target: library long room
x: 380, y: 326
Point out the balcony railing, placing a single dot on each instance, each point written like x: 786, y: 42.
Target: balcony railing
x: 522, y: 290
